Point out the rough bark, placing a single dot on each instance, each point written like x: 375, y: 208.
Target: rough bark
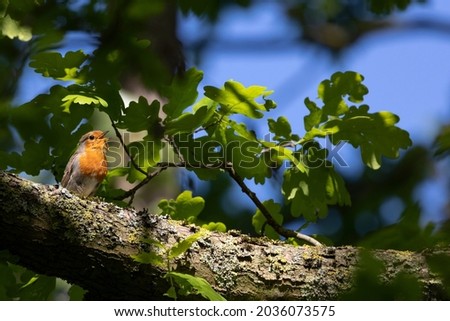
x: 90, y: 243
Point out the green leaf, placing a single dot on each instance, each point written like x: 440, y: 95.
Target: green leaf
x: 153, y: 242
x: 408, y: 234
x: 234, y: 98
x: 199, y: 153
x: 442, y: 142
x: 376, y: 134
x: 3, y: 7
x: 336, y: 191
x: 341, y: 85
x: 181, y: 247
x: 315, y: 115
x: 76, y: 293
x: 196, y: 285
x: 259, y: 221
x: 334, y: 93
x: 145, y: 153
x: 281, y: 129
x: 152, y: 258
x: 241, y: 130
x: 185, y: 207
x: 287, y: 154
x: 35, y: 157
x: 117, y: 172
x: 82, y: 99
x: 54, y: 65
x: 38, y: 288
x: 189, y: 122
x: 387, y: 6
x: 368, y: 284
x: 215, y: 226
x: 140, y: 116
x: 246, y: 157
x: 311, y: 193
x: 171, y: 293
x: 182, y: 93
x: 8, y: 284
x: 439, y: 264
x: 12, y: 29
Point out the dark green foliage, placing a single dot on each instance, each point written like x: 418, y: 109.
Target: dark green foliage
x: 407, y: 234
x: 18, y: 283
x: 369, y: 285
x: 442, y: 142
x: 439, y: 264
x: 388, y: 6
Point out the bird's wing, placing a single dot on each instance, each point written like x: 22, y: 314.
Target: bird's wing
x: 68, y: 171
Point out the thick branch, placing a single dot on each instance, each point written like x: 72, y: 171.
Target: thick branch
x: 89, y: 243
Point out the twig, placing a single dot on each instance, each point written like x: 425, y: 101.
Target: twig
x: 149, y: 176
x: 270, y: 220
x: 147, y: 179
x: 125, y: 148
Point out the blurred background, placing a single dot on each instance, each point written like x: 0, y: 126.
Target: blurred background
x: 401, y: 47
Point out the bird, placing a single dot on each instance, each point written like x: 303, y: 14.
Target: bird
x: 87, y: 167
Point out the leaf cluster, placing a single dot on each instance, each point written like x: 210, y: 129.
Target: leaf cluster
x: 18, y: 283
x: 206, y: 137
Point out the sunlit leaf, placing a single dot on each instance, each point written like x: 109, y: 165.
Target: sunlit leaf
x: 184, y: 207
x: 234, y: 98
x: 54, y: 65
x: 376, y: 134
x: 149, y: 258
x: 12, y: 29
x: 82, y: 99
x: 281, y: 128
x: 181, y: 247
x: 196, y: 285
x: 215, y: 226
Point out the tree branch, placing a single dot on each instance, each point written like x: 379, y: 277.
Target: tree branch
x: 90, y: 243
x: 277, y: 227
x: 125, y: 148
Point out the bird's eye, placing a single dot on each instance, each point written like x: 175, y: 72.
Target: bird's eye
x: 91, y: 137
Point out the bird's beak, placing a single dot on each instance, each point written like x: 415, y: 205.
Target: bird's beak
x: 104, y: 134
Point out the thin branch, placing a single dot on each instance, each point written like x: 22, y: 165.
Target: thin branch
x: 270, y: 220
x: 176, y: 149
x: 146, y: 180
x: 125, y: 148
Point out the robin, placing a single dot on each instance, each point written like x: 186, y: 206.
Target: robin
x: 87, y: 167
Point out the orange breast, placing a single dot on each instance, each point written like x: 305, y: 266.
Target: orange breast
x: 93, y: 163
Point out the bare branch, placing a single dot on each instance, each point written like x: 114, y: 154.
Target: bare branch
x: 270, y: 220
